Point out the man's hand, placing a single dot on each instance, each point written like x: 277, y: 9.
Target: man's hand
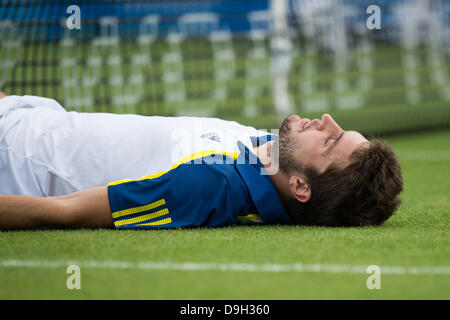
x: 2, y: 94
x: 82, y: 209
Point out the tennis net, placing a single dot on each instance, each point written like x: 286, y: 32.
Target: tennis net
x: 250, y: 61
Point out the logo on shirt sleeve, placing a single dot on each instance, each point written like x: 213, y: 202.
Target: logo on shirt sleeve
x: 213, y: 136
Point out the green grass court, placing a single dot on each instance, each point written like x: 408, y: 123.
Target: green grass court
x: 417, y: 236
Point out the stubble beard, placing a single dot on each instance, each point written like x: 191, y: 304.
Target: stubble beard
x: 284, y: 148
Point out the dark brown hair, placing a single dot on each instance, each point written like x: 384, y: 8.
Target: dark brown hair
x: 363, y: 193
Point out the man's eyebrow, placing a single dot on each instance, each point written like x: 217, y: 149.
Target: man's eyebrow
x: 334, y: 144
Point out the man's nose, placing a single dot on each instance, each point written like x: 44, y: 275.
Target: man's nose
x: 328, y: 122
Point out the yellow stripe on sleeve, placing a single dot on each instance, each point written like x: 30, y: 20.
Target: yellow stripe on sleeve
x: 142, y: 218
x: 147, y: 207
x: 253, y: 218
x: 193, y: 156
x: 157, y: 223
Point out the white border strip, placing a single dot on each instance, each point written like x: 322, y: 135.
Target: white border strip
x: 243, y: 267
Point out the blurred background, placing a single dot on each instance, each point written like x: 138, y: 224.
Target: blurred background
x: 253, y: 61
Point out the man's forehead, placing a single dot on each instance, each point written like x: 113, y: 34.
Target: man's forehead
x: 356, y: 136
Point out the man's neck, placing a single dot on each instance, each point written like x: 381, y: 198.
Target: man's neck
x: 279, y: 178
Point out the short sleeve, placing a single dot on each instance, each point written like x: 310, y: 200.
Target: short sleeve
x: 190, y: 195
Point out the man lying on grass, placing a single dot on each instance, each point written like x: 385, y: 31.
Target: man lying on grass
x: 99, y: 170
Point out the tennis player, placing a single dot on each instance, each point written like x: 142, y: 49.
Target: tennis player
x: 62, y: 169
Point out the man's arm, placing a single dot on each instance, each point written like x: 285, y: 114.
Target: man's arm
x: 2, y: 94
x: 82, y: 209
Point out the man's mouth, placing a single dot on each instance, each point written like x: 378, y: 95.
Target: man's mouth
x: 311, y: 123
x: 304, y: 122
x: 296, y: 122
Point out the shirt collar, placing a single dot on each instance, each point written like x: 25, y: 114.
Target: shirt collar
x: 261, y: 187
x: 257, y: 141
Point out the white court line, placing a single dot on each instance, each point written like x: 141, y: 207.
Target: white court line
x: 243, y: 267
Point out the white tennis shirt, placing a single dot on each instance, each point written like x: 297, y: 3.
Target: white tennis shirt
x: 47, y: 151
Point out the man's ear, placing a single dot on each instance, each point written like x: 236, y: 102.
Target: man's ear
x: 300, y: 189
